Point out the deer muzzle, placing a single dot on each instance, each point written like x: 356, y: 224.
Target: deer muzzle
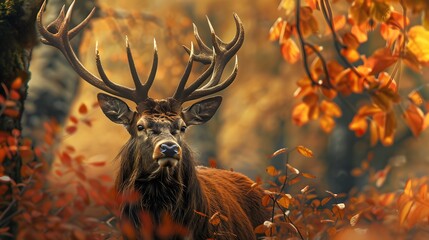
x: 167, y: 154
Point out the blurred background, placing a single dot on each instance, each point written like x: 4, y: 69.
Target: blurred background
x: 255, y: 117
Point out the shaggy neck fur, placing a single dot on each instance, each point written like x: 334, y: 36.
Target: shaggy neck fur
x: 177, y: 193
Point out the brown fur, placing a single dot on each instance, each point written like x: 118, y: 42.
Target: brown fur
x: 189, y: 195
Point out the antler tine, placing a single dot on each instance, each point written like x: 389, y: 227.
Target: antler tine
x: 105, y: 79
x: 218, y: 56
x: 152, y: 74
x: 178, y: 94
x: 142, y: 90
x: 58, y: 35
x: 132, y: 66
x: 202, y: 92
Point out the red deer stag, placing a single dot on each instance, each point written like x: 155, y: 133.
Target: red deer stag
x: 156, y: 161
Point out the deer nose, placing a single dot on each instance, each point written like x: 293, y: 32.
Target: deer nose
x: 169, y: 149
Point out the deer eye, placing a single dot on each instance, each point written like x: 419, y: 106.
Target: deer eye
x: 140, y: 127
x: 183, y: 129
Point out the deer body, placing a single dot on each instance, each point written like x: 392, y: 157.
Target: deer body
x: 156, y: 162
x: 184, y: 191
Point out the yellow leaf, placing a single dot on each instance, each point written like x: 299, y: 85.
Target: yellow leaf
x: 288, y: 6
x: 418, y: 43
x: 304, y: 151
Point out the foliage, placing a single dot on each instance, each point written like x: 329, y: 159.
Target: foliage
x: 76, y: 199
x: 360, y: 72
x: 300, y: 211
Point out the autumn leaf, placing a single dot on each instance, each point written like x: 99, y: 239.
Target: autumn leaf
x: 380, y: 60
x: 380, y: 11
x: 418, y: 43
x: 300, y: 114
x: 290, y: 51
x: 292, y: 169
x: 308, y: 22
x: 280, y: 31
x: 359, y: 12
x: 83, y: 109
x: 304, y: 151
x: 414, y: 118
x: 415, y: 97
x: 403, y: 213
x: 71, y: 129
x: 272, y: 171
x: 278, y: 152
x: 284, y: 201
x: 98, y: 164
x: 288, y: 6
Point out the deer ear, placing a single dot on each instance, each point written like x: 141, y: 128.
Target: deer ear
x: 115, y: 109
x: 201, y: 111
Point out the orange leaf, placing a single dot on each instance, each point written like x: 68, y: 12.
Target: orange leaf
x: 414, y: 118
x: 403, y: 213
x: 272, y: 171
x: 290, y: 51
x: 351, y: 54
x: 300, y: 114
x: 284, y: 201
x: 330, y: 108
x: 308, y: 175
x: 304, y: 151
x: 327, y: 123
x: 415, y: 97
x: 17, y: 83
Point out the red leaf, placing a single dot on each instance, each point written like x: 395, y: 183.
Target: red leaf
x: 82, y: 193
x: 71, y: 129
x: 65, y: 159
x: 73, y: 119
x: 98, y: 164
x: 83, y: 109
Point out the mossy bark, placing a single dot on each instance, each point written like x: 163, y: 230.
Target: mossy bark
x: 17, y: 38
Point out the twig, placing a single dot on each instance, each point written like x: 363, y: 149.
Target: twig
x: 302, y: 43
x: 327, y: 14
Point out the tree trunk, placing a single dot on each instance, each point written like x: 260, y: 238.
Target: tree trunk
x: 18, y: 36
x: 54, y: 83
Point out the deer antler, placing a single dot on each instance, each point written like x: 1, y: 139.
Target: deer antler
x: 218, y: 57
x: 58, y: 35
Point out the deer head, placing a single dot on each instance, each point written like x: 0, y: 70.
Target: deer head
x: 158, y: 124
